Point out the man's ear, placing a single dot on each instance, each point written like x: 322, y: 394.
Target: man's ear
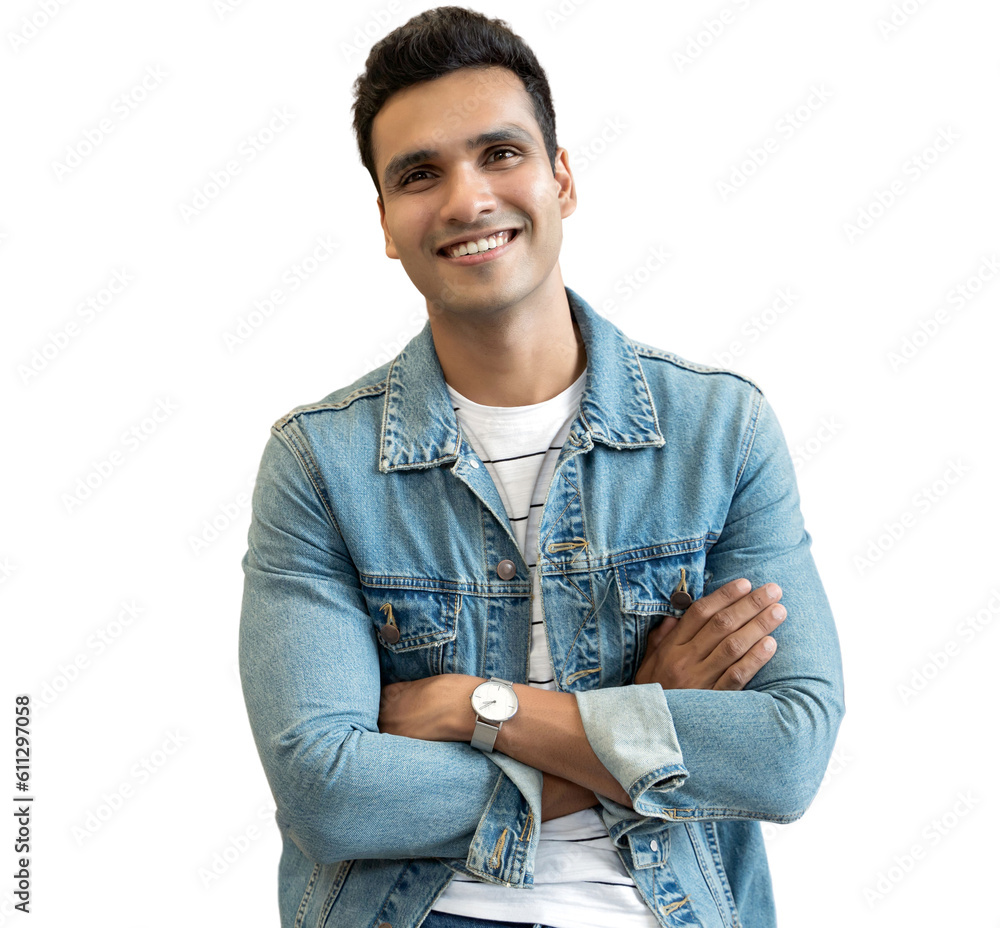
x: 390, y: 248
x: 567, y: 186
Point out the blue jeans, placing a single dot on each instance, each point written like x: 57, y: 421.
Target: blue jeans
x: 441, y: 920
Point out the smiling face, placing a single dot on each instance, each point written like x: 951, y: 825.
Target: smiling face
x: 469, y: 202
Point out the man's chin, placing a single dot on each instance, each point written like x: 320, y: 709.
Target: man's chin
x: 468, y: 300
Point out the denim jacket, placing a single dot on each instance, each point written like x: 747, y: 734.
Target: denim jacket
x: 371, y: 510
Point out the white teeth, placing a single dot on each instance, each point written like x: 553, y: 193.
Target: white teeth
x: 483, y: 244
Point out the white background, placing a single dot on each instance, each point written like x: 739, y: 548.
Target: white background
x: 151, y: 806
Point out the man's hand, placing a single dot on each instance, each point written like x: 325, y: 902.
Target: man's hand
x: 719, y: 643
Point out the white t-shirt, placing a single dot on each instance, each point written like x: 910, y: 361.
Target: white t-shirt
x: 580, y: 882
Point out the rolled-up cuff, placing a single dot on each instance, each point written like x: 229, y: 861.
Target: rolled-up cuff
x: 632, y: 732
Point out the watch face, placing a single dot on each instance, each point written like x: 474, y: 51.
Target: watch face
x: 494, y: 702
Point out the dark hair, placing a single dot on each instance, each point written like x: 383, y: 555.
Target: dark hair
x: 434, y: 43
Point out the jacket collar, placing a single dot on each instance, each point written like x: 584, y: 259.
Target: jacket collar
x: 419, y: 427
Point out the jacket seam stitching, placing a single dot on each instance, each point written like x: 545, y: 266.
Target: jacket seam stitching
x: 309, y: 468
x: 360, y: 393
x: 306, y: 896
x: 749, y: 439
x: 648, y: 351
x: 706, y: 869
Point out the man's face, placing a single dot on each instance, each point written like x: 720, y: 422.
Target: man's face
x: 461, y: 159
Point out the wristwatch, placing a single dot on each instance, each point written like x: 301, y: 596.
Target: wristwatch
x: 494, y: 703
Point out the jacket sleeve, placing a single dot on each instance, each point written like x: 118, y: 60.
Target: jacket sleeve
x: 757, y: 753
x: 309, y: 667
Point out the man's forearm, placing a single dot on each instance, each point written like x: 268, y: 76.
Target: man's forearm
x: 547, y: 734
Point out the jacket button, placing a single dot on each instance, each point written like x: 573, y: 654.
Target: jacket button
x: 506, y: 569
x: 654, y: 845
x: 389, y: 633
x: 680, y: 600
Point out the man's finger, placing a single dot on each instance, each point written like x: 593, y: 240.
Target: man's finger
x: 742, y: 672
x: 726, y: 609
x: 656, y: 635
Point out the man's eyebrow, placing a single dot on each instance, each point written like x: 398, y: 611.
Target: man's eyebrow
x: 506, y: 133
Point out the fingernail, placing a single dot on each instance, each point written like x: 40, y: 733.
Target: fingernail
x: 779, y: 613
x: 743, y: 586
x: 772, y: 590
x: 768, y: 644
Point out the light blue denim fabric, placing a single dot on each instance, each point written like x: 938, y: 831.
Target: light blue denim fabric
x: 372, y: 496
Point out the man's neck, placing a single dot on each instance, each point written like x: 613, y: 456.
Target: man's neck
x: 522, y: 356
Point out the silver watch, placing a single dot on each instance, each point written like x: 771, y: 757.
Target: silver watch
x: 494, y: 703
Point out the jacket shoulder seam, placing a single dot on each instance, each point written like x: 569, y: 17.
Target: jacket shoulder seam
x: 323, y: 406
x: 648, y: 351
x: 750, y: 436
x: 301, y: 452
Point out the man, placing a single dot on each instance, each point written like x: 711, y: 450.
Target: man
x: 510, y: 641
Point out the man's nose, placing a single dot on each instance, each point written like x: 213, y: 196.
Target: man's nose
x: 468, y: 194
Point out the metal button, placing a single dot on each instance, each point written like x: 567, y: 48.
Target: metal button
x: 506, y: 569
x: 389, y: 633
x: 680, y: 599
x: 654, y: 845
x: 473, y: 463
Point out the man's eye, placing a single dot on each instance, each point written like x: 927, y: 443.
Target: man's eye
x: 504, y: 151
x: 410, y: 177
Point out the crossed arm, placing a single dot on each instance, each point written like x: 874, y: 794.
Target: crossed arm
x: 691, y: 746
x: 720, y: 643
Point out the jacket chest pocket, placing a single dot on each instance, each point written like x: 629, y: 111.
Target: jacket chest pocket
x: 651, y: 589
x: 415, y: 630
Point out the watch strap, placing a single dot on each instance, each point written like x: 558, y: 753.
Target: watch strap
x: 485, y: 736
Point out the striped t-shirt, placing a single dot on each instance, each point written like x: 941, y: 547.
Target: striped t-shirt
x: 580, y: 882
